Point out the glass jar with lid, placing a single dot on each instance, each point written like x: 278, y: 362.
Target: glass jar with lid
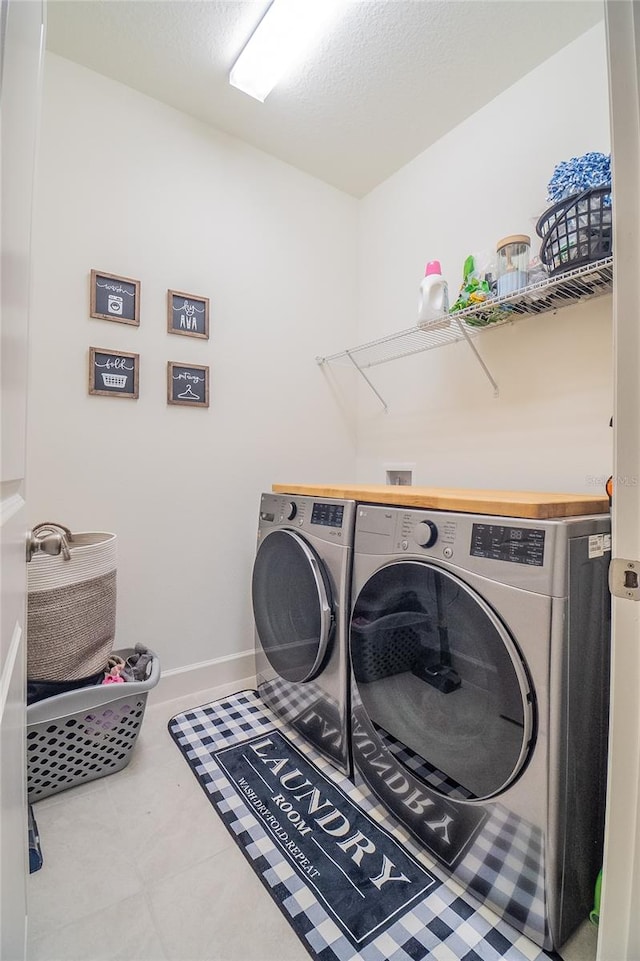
x: 513, y: 263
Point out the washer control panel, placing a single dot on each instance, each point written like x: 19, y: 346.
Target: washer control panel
x: 326, y: 514
x: 329, y: 520
x: 276, y: 509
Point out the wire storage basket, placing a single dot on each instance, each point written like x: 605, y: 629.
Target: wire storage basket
x: 577, y: 230
x: 85, y: 733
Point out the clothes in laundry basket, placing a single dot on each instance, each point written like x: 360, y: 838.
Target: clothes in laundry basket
x: 137, y: 666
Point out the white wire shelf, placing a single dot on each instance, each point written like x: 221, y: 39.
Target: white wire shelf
x: 571, y: 287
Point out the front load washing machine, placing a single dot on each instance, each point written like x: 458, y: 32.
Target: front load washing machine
x: 480, y: 674
x: 300, y: 593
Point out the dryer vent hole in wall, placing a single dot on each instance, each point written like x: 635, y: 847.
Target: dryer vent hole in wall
x: 400, y: 478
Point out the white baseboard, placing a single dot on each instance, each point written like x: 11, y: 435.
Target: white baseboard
x: 193, y: 678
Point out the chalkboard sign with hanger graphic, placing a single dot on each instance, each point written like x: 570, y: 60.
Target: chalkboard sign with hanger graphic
x: 187, y: 314
x: 187, y: 384
x: 113, y: 373
x: 115, y: 298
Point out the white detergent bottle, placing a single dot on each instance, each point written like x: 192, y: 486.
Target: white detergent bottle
x: 433, y: 302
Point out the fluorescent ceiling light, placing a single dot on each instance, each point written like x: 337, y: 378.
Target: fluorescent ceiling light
x: 281, y: 39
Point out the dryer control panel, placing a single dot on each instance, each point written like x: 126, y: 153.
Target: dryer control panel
x: 516, y: 545
x: 514, y: 551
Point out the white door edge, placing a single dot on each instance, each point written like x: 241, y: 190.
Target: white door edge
x: 619, y: 929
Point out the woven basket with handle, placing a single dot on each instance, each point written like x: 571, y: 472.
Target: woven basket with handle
x: 71, y: 606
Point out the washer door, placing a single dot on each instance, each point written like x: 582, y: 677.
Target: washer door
x: 441, y: 680
x: 292, y: 605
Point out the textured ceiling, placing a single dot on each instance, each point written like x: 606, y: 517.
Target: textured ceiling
x: 388, y: 79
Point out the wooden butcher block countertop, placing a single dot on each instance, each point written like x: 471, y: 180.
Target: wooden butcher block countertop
x: 531, y: 504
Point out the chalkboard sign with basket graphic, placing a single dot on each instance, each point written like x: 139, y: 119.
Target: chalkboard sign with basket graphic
x: 113, y: 373
x: 115, y: 298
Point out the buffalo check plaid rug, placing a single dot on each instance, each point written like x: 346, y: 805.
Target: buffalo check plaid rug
x: 350, y: 881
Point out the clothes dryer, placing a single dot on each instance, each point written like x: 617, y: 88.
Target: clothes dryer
x: 300, y: 593
x: 480, y: 673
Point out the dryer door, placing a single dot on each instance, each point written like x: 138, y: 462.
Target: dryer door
x: 292, y: 605
x: 440, y: 680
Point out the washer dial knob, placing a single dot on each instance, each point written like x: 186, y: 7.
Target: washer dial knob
x: 290, y: 511
x: 425, y: 534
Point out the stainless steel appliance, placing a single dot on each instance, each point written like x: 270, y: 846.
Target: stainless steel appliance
x: 480, y: 672
x: 300, y: 594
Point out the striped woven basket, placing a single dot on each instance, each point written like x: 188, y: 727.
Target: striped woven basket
x: 71, y: 606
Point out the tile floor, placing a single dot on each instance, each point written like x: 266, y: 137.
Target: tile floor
x: 137, y: 867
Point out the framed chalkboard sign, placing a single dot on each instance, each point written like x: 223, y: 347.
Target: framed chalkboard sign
x: 187, y: 314
x: 187, y: 384
x: 113, y: 373
x: 115, y: 298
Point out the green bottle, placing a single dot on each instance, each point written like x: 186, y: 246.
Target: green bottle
x: 594, y: 917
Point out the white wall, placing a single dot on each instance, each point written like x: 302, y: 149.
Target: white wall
x: 487, y: 178
x: 132, y: 187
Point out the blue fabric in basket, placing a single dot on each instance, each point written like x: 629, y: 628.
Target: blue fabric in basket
x: 35, y: 852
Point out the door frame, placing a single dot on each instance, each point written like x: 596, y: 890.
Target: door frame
x: 22, y: 27
x: 619, y: 929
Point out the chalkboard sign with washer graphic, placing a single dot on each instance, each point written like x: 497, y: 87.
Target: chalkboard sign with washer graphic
x: 115, y: 298
x: 113, y: 373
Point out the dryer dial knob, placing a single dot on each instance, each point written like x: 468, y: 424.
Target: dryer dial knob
x: 290, y: 511
x: 426, y: 534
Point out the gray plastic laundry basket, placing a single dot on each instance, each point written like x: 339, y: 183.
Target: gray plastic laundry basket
x: 84, y: 734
